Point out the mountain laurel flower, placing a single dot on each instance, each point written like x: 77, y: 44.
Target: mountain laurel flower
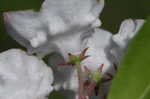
x: 103, y: 48
x: 41, y: 32
x: 70, y: 26
x: 23, y: 76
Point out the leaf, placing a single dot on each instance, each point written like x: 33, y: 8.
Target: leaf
x: 132, y: 80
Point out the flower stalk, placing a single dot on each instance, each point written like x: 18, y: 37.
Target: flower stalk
x: 82, y: 94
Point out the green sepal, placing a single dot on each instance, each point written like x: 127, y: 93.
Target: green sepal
x: 74, y: 59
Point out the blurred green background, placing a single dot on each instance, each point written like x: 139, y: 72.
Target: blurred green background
x: 114, y: 12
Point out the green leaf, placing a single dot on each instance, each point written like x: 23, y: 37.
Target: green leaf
x: 9, y: 5
x: 133, y: 78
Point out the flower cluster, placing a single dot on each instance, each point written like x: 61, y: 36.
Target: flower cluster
x: 62, y: 27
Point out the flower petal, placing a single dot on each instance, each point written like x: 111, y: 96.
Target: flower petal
x: 98, y: 50
x: 26, y: 28
x: 69, y: 15
x: 23, y: 76
x: 25, y: 24
x: 128, y: 29
x: 37, y: 30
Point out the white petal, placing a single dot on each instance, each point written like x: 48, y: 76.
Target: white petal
x: 23, y: 76
x: 128, y: 29
x: 65, y: 15
x: 69, y: 44
x: 39, y: 39
x: 31, y: 28
x: 15, y: 27
x: 24, y: 23
x: 25, y: 27
x: 98, y: 50
x: 97, y: 23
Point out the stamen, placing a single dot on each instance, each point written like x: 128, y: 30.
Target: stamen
x: 83, y: 53
x: 84, y: 57
x: 101, y: 67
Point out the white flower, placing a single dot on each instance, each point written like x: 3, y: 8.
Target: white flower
x: 105, y: 48
x: 108, y: 49
x: 69, y: 26
x: 59, y: 26
x: 57, y: 19
x: 102, y: 45
x: 23, y: 76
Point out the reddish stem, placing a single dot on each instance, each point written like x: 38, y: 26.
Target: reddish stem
x: 91, y: 88
x: 81, y: 82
